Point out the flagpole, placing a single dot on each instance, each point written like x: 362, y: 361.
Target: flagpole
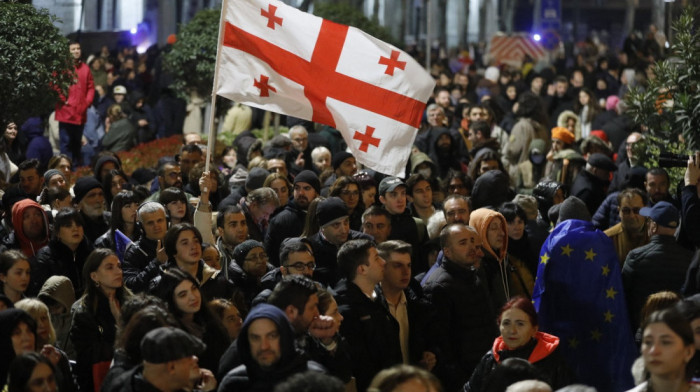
x: 212, y: 133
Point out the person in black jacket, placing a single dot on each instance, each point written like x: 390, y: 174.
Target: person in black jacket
x: 65, y: 254
x: 371, y: 331
x: 462, y: 305
x: 660, y: 265
x: 520, y: 338
x: 266, y: 347
x: 290, y: 221
x: 406, y: 304
x: 392, y: 195
x: 334, y: 223
x: 95, y: 316
x: 143, y: 258
x: 250, y: 265
x: 169, y: 363
x: 591, y: 185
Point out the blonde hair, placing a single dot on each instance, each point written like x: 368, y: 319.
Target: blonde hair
x: 37, y: 309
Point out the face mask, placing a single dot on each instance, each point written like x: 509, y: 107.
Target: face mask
x: 426, y: 172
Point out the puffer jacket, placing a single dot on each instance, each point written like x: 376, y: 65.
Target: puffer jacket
x: 541, y: 351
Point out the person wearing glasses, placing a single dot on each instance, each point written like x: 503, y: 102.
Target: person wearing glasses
x: 631, y: 232
x: 296, y: 258
x: 348, y: 189
x: 250, y: 265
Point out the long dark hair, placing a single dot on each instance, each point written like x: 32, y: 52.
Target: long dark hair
x: 107, y: 183
x: 92, y: 292
x: 171, y: 194
x: 21, y: 370
x: 120, y: 200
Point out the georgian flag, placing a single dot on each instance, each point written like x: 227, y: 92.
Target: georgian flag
x: 278, y: 58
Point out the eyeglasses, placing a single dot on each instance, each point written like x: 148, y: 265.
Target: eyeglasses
x: 627, y: 210
x: 350, y: 193
x: 302, y: 266
x: 262, y: 257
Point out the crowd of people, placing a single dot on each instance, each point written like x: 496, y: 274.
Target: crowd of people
x: 285, y: 266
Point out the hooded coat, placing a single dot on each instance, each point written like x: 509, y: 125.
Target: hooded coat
x: 60, y: 289
x: 38, y: 146
x: 541, y: 351
x: 251, y: 376
x: 505, y: 277
x: 20, y: 240
x: 491, y: 189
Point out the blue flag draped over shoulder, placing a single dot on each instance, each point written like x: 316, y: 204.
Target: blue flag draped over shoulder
x: 121, y: 241
x: 579, y: 298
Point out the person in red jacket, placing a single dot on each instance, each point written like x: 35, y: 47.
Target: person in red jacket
x: 71, y: 111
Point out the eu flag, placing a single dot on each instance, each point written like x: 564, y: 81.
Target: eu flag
x: 579, y: 298
x: 121, y: 241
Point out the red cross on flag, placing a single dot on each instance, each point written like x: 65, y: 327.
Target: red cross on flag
x: 278, y: 58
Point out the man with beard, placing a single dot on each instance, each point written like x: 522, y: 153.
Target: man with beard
x: 169, y: 175
x: 290, y: 221
x: 656, y: 185
x: 90, y: 201
x: 443, y: 152
x: 344, y: 164
x: 266, y: 348
x: 334, y: 231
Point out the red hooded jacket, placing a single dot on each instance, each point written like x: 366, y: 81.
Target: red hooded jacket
x: 28, y: 246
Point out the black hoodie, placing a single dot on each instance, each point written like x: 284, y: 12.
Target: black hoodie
x: 251, y: 376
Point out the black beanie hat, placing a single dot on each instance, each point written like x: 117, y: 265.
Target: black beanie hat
x: 339, y: 158
x: 330, y: 209
x: 242, y: 249
x: 83, y: 186
x: 310, y: 178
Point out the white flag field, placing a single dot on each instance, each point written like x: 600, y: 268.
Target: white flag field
x: 278, y: 58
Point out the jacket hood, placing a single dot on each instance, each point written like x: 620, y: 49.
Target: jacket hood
x: 28, y: 247
x: 546, y: 344
x: 480, y: 219
x: 32, y: 128
x: 277, y: 316
x: 421, y: 157
x: 491, y: 189
x: 60, y: 289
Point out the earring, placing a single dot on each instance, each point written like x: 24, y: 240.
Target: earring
x: 97, y: 284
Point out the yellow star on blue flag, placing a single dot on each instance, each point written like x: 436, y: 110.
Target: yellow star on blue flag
x: 566, y: 250
x: 544, y: 259
x: 590, y: 254
x: 579, y: 297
